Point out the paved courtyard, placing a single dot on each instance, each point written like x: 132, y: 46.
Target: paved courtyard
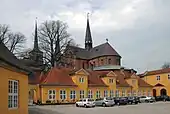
x: 145, y: 108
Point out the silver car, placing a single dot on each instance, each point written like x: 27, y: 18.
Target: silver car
x: 106, y: 101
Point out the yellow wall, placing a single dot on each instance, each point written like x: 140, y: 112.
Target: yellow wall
x: 36, y: 92
x: 101, y: 89
x: 23, y: 92
x: 151, y: 79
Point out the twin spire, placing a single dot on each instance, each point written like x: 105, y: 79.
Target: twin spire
x: 88, y: 37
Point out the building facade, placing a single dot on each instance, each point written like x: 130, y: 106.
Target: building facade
x: 63, y: 85
x: 159, y: 79
x: 13, y: 84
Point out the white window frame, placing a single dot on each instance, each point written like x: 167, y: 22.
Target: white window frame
x: 149, y: 92
x: 158, y: 78
x: 144, y: 92
x: 123, y: 93
x: 72, y: 94
x: 13, y: 91
x: 81, y: 94
x: 139, y: 93
x: 111, y: 80
x: 53, y: 94
x: 81, y: 79
x: 111, y: 93
x: 90, y: 94
x: 105, y: 93
x: 117, y: 93
x: 63, y: 95
x: 97, y: 94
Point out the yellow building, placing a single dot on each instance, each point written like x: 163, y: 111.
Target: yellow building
x: 159, y: 79
x: 13, y: 84
x: 62, y: 85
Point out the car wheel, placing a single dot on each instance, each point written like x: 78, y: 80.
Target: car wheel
x: 85, y: 106
x: 77, y: 105
x: 104, y: 105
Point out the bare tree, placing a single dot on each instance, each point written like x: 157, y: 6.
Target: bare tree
x: 166, y: 65
x: 4, y: 29
x: 53, y: 40
x: 16, y: 42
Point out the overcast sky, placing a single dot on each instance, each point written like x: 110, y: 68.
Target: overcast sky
x: 139, y: 30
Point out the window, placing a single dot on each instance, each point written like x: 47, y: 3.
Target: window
x: 62, y: 94
x: 90, y: 94
x: 13, y: 94
x: 123, y: 93
x: 133, y: 82
x: 98, y: 94
x: 81, y: 94
x: 117, y: 93
x: 72, y: 94
x: 81, y: 79
x: 111, y: 93
x: 105, y: 93
x: 168, y: 77
x: 144, y: 93
x: 94, y: 64
x: 139, y: 93
x: 134, y: 93
x: 149, y: 93
x: 51, y: 94
x: 109, y: 61
x: 101, y: 61
x: 129, y: 93
x: 157, y: 77
x: 110, y: 80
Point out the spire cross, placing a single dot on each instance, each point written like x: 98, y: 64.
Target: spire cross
x: 107, y: 40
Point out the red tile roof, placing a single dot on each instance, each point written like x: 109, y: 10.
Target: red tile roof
x: 142, y: 83
x: 58, y: 77
x: 121, y: 82
x: 94, y: 80
x: 155, y: 72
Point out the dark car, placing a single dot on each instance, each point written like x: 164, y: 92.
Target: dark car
x: 133, y: 100
x: 121, y: 101
x: 162, y: 98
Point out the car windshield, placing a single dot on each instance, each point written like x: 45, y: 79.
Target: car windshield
x: 90, y: 100
x: 108, y: 98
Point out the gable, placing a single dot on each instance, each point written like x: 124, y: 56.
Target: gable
x: 111, y: 74
x: 82, y: 72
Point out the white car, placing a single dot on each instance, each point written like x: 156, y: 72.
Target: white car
x: 106, y: 101
x: 146, y: 99
x: 86, y: 102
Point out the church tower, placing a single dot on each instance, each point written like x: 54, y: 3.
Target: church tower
x: 88, y: 37
x: 36, y: 55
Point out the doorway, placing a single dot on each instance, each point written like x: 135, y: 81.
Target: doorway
x: 163, y: 92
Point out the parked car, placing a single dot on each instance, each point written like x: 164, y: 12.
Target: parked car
x: 162, y: 98
x: 146, y: 99
x: 106, y: 101
x: 121, y: 100
x: 86, y: 102
x: 133, y: 100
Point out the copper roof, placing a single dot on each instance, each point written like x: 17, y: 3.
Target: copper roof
x: 58, y: 77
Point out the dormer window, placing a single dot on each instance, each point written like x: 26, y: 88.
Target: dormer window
x: 101, y: 61
x: 157, y: 77
x: 110, y: 80
x: 81, y: 79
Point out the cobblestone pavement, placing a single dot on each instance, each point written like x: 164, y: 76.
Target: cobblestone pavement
x: 144, y: 108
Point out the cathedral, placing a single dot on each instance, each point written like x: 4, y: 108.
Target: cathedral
x: 100, y: 57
